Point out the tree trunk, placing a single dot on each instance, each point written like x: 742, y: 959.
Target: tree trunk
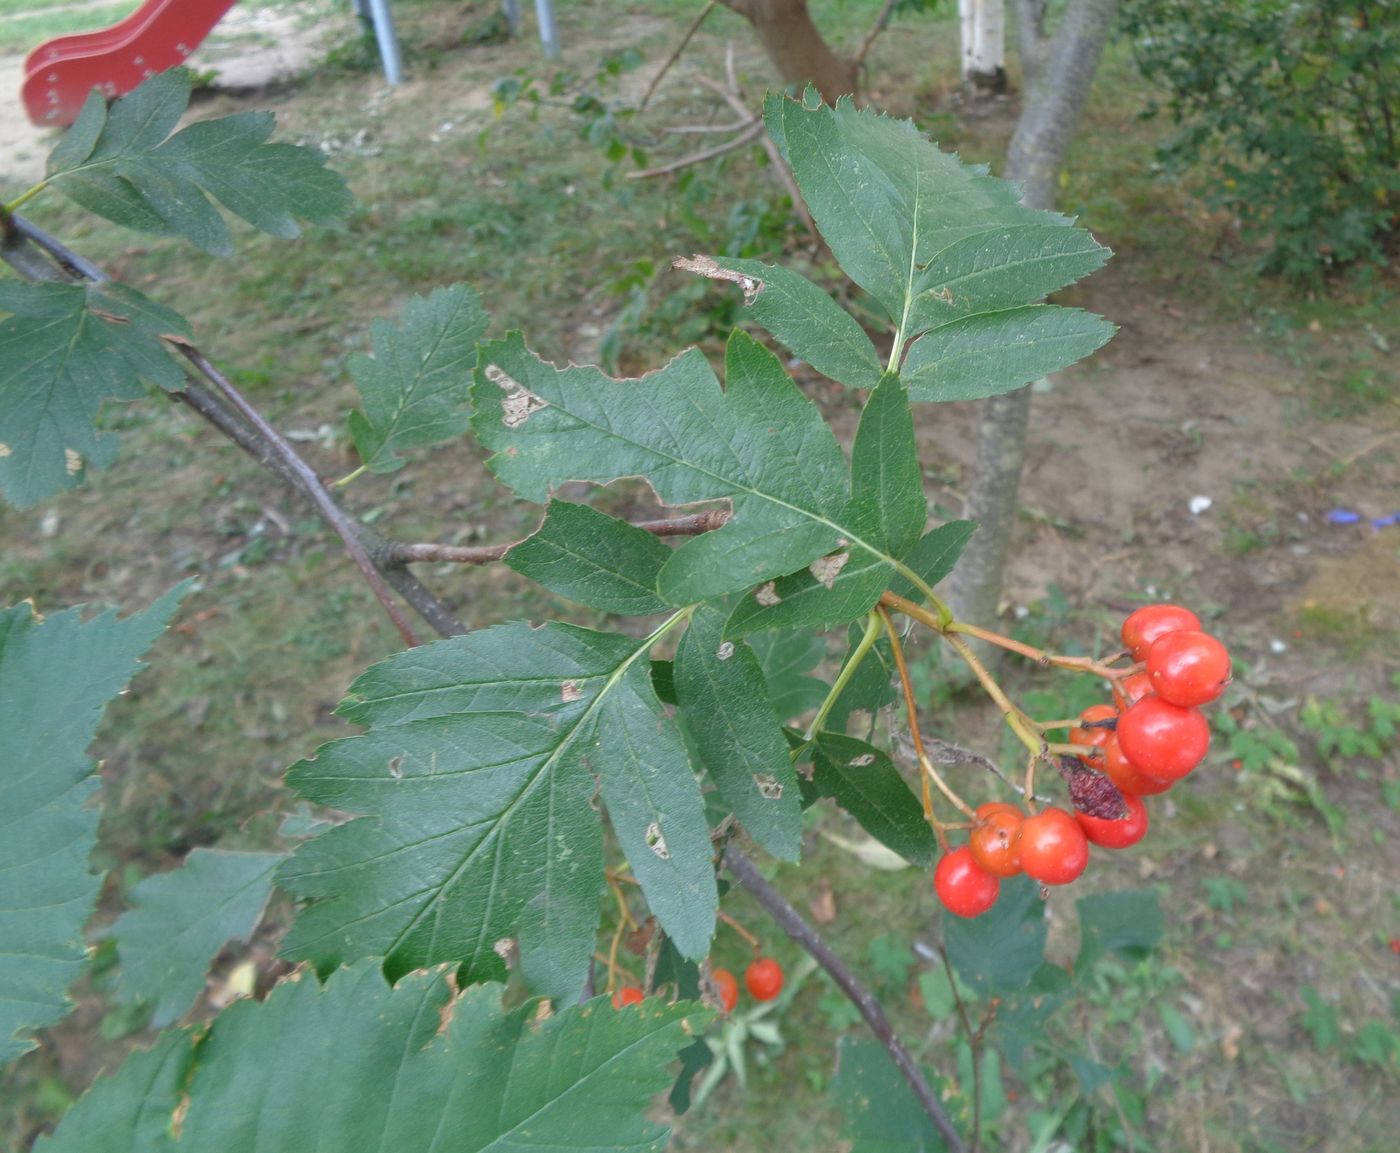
x: 796, y: 47
x: 983, y: 31
x: 1064, y: 70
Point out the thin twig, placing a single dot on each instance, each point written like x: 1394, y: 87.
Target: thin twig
x: 676, y: 55
x: 882, y: 21
x: 795, y: 926
x: 404, y: 554
x: 747, y: 136
x: 974, y: 1043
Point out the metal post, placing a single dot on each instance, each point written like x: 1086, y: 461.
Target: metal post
x: 549, y: 36
x: 511, y: 8
x: 388, y: 41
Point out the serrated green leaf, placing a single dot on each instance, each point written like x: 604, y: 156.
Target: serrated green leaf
x: 1001, y: 268
x: 181, y: 919
x: 786, y: 658
x: 1129, y: 920
x: 935, y: 556
x: 483, y: 749
x: 123, y: 168
x: 812, y: 325
x: 416, y: 387
x: 1000, y: 951
x: 725, y: 707
x: 56, y: 677
x: 64, y: 350
x: 594, y: 559
x: 864, y: 781
x: 882, y: 1114
x: 996, y: 352
x: 358, y: 1066
x: 888, y: 507
x: 832, y: 590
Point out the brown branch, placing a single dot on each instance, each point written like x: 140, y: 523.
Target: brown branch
x: 406, y: 554
x: 676, y: 55
x: 882, y: 21
x: 750, y: 133
x: 795, y: 926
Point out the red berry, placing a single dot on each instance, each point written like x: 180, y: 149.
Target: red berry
x: 1163, y: 740
x: 728, y: 988
x: 1131, y: 780
x: 764, y: 979
x: 1053, y: 848
x: 993, y: 842
x: 627, y: 995
x: 1188, y: 667
x: 1146, y: 624
x: 963, y: 886
x: 1117, y: 834
x: 1133, y: 688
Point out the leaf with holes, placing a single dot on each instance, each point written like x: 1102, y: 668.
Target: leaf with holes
x: 119, y: 164
x: 357, y: 1065
x: 475, y: 785
x: 416, y: 387
x: 56, y: 676
x: 864, y: 781
x: 181, y: 919
x: 64, y: 350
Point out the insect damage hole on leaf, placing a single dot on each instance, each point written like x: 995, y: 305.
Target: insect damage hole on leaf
x: 656, y: 841
x: 705, y: 266
x: 725, y: 651
x: 827, y: 568
x: 767, y: 595
x: 769, y: 787
x: 520, y: 403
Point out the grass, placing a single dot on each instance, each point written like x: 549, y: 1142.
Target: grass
x: 24, y: 33
x: 1259, y: 888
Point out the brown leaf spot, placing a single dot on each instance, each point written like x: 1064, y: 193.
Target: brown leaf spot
x: 864, y: 759
x: 769, y: 787
x: 520, y: 403
x: 767, y: 595
x: 656, y: 842
x: 570, y: 691
x: 396, y: 768
x: 706, y: 266
x: 725, y: 651
x: 72, y: 461
x: 5, y: 450
x: 827, y: 568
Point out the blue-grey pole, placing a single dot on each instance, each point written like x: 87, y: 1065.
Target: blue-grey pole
x: 549, y: 36
x: 511, y: 8
x: 388, y: 41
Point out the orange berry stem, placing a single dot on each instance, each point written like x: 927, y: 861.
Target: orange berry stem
x: 738, y: 928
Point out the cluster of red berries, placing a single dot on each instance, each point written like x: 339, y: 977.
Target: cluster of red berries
x: 1150, y: 738
x: 763, y: 978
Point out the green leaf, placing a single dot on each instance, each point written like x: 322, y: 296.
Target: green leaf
x: 832, y: 590
x: 1129, y: 921
x: 416, y: 387
x: 56, y: 677
x: 64, y: 350
x: 934, y: 557
x: 1000, y: 951
x: 358, y: 1066
x: 997, y: 352
x: 812, y: 325
x: 786, y: 658
x: 864, y: 781
x: 882, y: 1114
x: 594, y: 559
x: 181, y: 919
x: 483, y: 750
x: 1002, y: 267
x: 888, y: 506
x: 871, y: 688
x: 725, y: 707
x: 760, y: 444
x: 120, y: 165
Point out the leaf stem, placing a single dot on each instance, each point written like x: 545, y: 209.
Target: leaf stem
x: 349, y: 477
x: 873, y: 625
x: 24, y: 198
x: 1040, y: 656
x: 738, y: 928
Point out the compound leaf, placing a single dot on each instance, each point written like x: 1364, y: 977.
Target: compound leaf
x: 724, y: 705
x: 181, y: 919
x: 64, y: 349
x: 786, y: 659
x: 888, y: 506
x: 417, y: 385
x: 56, y: 677
x: 357, y: 1065
x: 482, y: 750
x: 934, y: 556
x: 864, y: 781
x: 594, y: 559
x: 996, y: 352
x: 119, y: 164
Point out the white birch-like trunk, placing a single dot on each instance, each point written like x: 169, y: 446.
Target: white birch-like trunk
x: 983, y: 25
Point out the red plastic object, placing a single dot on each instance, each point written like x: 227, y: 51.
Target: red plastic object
x: 160, y: 34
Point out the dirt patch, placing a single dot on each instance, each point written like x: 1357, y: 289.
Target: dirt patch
x: 251, y: 48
